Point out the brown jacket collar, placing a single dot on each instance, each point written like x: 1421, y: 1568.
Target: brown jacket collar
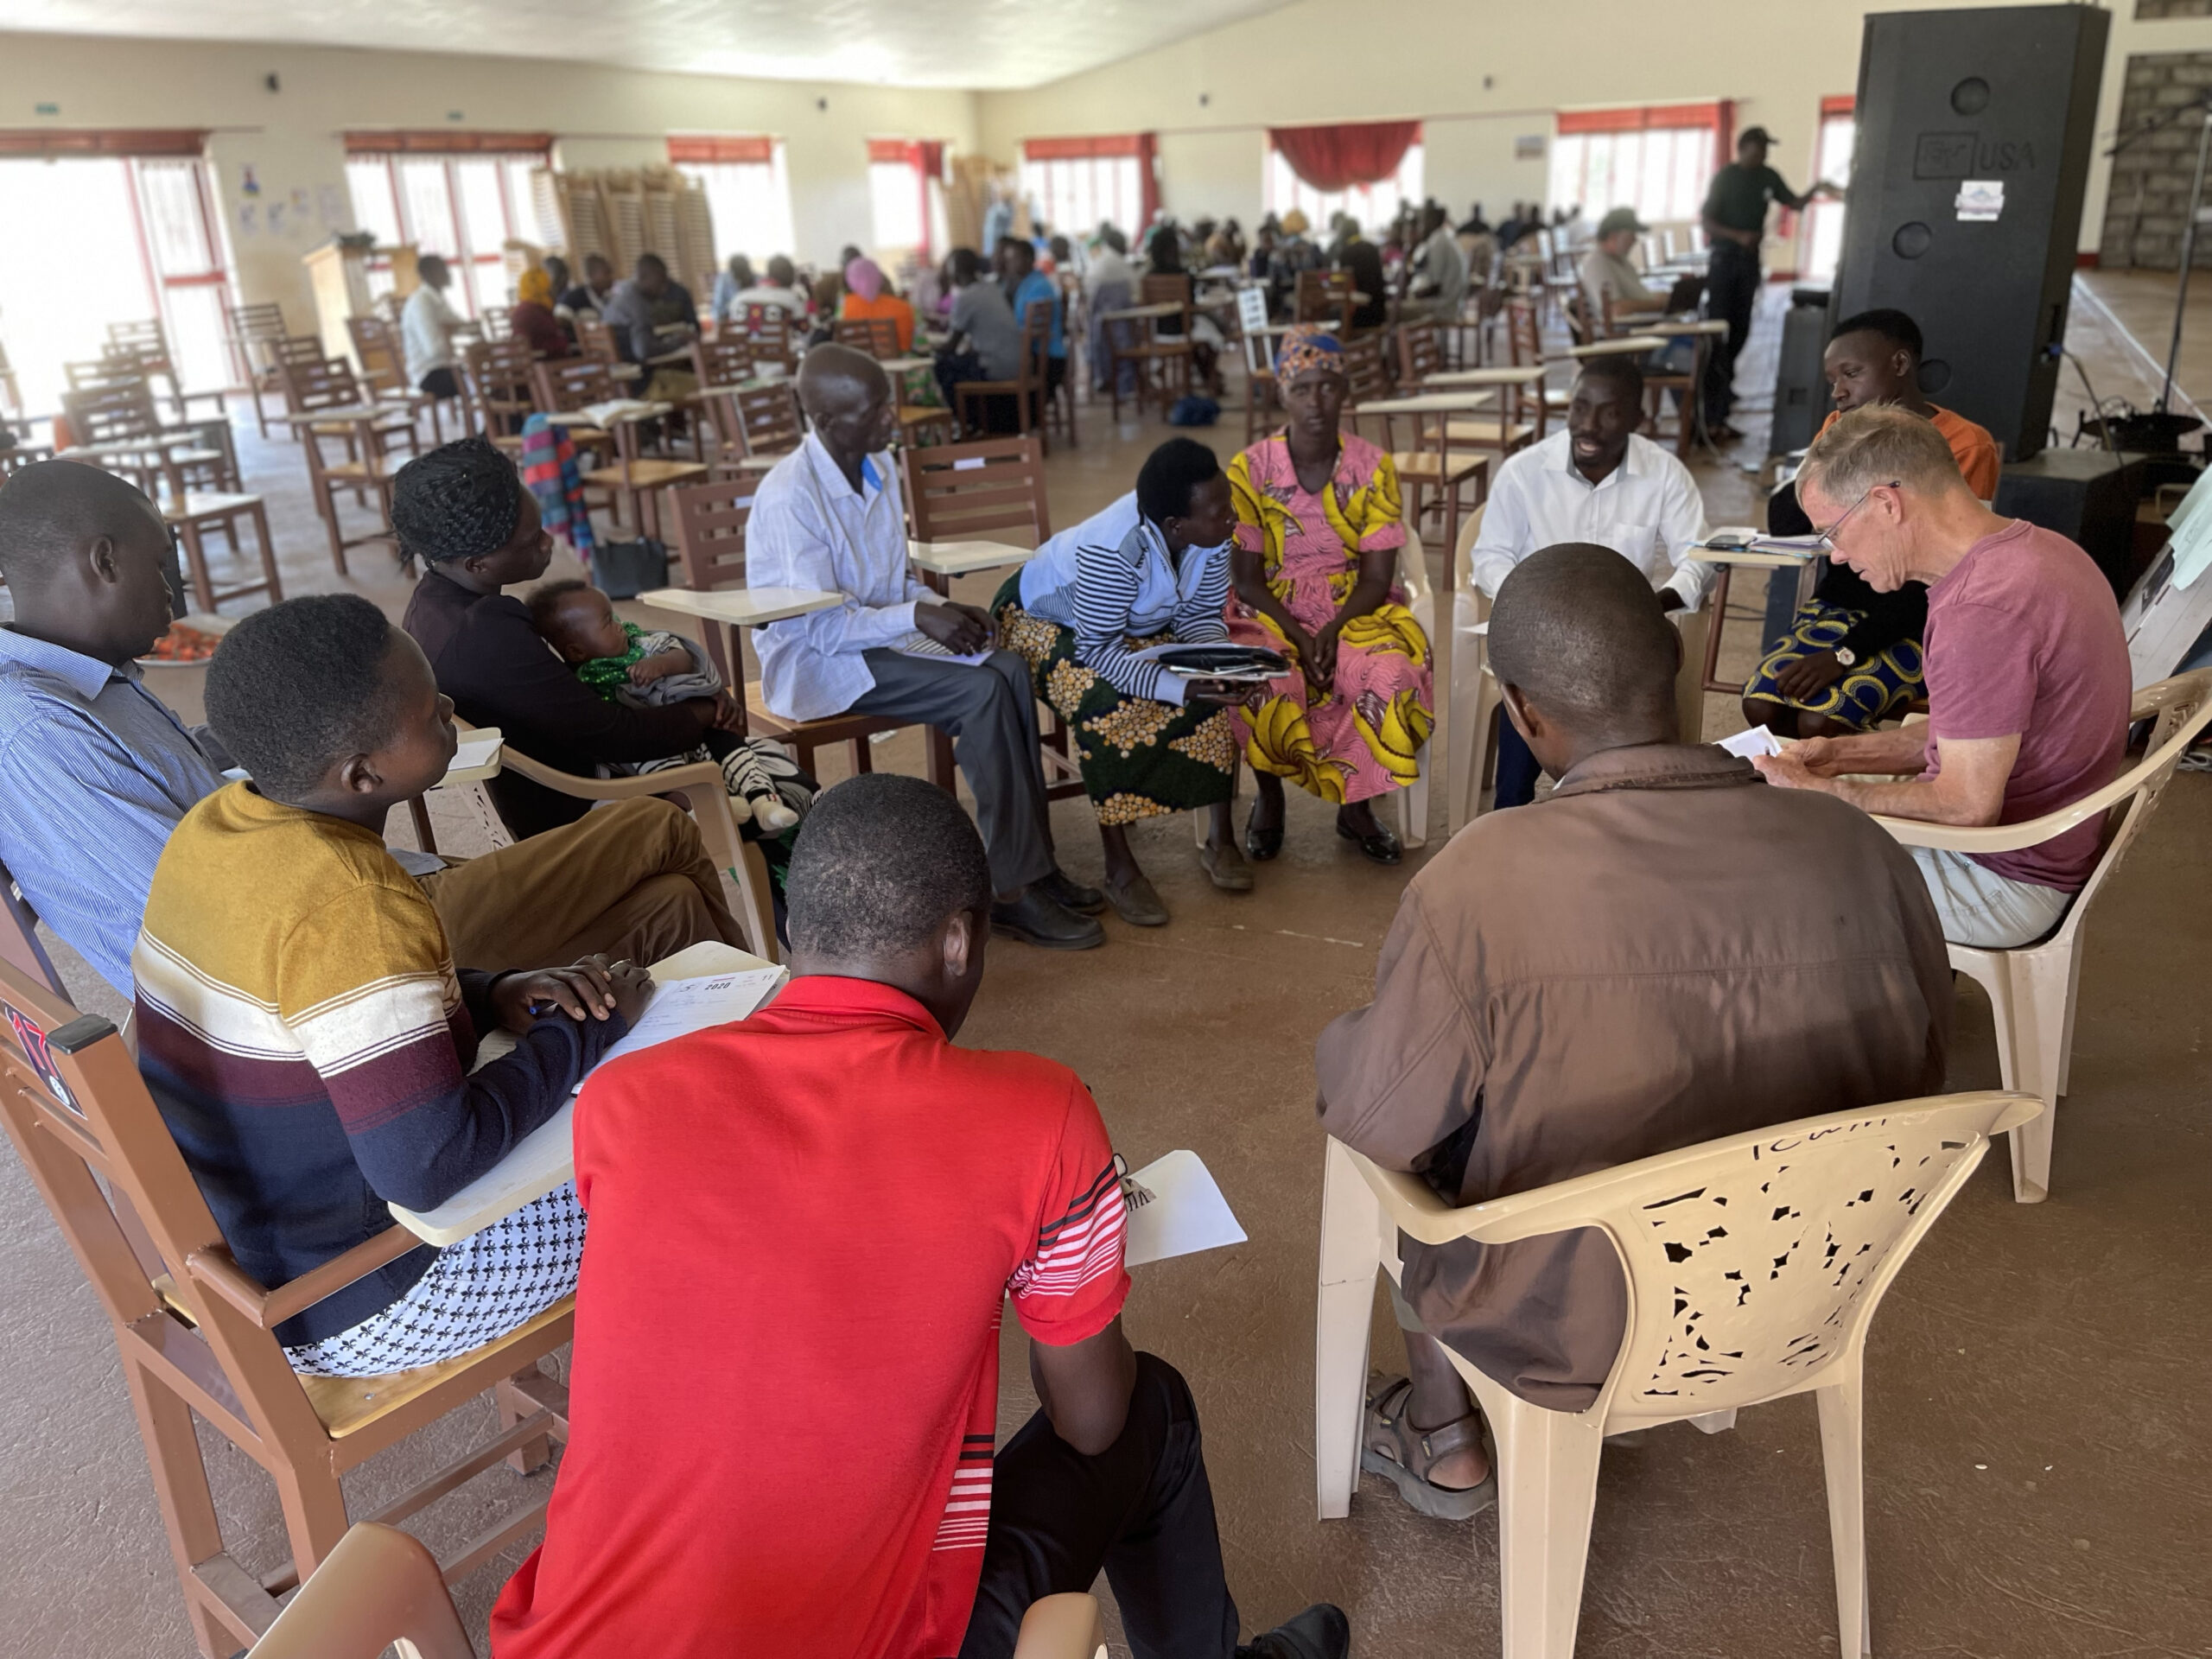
x: 1656, y: 765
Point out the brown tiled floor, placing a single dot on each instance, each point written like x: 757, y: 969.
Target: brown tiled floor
x: 2037, y: 1468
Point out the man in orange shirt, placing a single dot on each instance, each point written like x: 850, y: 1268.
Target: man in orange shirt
x: 1851, y: 657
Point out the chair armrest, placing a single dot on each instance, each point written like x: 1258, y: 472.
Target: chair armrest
x: 2033, y: 832
x: 612, y: 789
x: 217, y: 1270
x: 701, y: 783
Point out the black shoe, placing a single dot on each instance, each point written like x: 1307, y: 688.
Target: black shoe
x: 1321, y: 1632
x: 1084, y: 901
x: 1036, y: 918
x: 1381, y: 845
x: 1261, y: 845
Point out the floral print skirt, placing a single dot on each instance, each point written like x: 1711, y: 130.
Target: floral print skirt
x: 1362, y: 736
x: 1140, y: 759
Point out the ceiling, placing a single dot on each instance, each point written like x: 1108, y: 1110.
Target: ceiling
x: 984, y: 44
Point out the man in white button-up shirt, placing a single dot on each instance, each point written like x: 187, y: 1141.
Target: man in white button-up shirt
x: 829, y: 517
x: 1597, y: 482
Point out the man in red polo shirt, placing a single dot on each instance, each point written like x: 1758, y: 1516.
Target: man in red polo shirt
x: 785, y: 1374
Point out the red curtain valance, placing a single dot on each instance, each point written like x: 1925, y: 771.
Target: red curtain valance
x: 703, y: 148
x: 1338, y: 158
x: 1638, y: 119
x: 102, y: 141
x: 1838, y: 103
x: 1084, y: 150
x: 443, y: 141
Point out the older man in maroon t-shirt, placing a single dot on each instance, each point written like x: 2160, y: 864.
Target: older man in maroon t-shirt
x: 2026, y: 667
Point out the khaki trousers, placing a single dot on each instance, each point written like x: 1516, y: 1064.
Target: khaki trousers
x: 630, y: 880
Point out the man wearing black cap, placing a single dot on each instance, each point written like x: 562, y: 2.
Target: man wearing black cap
x: 1735, y: 220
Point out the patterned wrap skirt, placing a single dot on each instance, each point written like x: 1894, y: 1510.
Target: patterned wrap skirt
x: 1141, y: 759
x: 1871, y: 692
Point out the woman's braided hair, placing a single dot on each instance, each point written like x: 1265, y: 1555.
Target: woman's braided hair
x: 458, y: 502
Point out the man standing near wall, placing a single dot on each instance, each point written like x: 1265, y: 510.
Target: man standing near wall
x: 1735, y: 221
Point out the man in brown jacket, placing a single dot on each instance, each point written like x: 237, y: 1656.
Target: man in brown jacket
x: 1663, y: 952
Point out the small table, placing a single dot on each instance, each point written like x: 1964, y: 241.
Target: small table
x: 1619, y: 346
x: 1718, y: 605
x: 742, y: 608
x: 1144, y: 313
x: 546, y: 1158
x: 945, y: 560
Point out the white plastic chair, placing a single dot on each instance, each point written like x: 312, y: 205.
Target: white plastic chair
x: 1413, y: 800
x: 2033, y: 990
x: 1754, y: 1266
x: 1479, y: 703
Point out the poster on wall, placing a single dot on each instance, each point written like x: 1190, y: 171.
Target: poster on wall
x: 330, y: 204
x: 1528, y: 147
x: 249, y: 218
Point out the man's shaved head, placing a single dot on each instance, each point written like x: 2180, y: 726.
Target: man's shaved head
x: 835, y: 378
x: 51, y: 509
x: 1577, y: 628
x: 87, y: 560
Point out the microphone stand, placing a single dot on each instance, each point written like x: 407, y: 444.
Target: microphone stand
x: 2203, y: 105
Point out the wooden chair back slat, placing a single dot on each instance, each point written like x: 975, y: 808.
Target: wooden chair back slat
x: 1420, y: 353
x: 877, y: 336
x: 377, y: 345
x: 568, y: 383
x: 114, y: 413
x: 501, y: 379
x: 723, y: 360
x: 768, y: 418
x: 957, y: 491
x: 323, y: 383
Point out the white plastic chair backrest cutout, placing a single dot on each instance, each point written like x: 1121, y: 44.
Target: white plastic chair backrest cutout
x: 1413, y: 571
x: 1766, y: 1261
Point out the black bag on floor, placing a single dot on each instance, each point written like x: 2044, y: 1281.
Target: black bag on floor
x: 625, y: 569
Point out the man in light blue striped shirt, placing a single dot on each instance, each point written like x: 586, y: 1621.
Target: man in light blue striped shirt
x: 94, y: 770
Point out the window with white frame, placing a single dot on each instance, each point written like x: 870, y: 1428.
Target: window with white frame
x: 1373, y: 205
x: 121, y: 238
x: 1659, y: 161
x: 462, y: 205
x: 1076, y: 194
x: 1823, y: 232
x: 748, y: 193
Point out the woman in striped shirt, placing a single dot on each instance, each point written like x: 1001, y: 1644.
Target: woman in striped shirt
x: 1151, y: 569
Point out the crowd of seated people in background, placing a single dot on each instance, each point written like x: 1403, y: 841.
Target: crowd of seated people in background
x: 310, y: 1003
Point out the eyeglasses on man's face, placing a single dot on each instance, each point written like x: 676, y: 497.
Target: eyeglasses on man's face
x: 1825, y: 542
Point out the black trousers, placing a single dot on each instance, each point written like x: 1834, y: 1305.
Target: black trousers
x: 1731, y: 289
x: 990, y: 712
x: 1141, y: 1509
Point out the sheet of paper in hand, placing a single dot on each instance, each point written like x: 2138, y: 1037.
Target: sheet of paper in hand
x: 680, y: 1007
x: 1175, y: 1209
x: 919, y: 644
x: 1755, y: 740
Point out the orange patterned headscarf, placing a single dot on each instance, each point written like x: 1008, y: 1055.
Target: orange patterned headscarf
x: 534, y: 288
x: 1306, y: 349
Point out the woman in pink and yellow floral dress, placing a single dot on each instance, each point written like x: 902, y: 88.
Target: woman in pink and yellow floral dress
x: 1315, y: 568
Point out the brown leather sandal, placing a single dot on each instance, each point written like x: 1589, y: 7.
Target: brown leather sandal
x: 1392, y: 1448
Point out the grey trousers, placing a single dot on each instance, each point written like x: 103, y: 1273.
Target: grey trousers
x: 991, y: 713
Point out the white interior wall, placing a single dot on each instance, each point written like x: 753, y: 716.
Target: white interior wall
x: 601, y: 116
x: 1478, y: 74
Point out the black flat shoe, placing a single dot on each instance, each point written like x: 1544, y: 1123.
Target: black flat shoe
x: 1084, y: 901
x: 1261, y: 845
x: 1381, y: 845
x: 1033, y: 918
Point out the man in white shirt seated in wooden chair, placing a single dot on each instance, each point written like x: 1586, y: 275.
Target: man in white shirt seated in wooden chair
x: 828, y: 519
x: 1598, y: 482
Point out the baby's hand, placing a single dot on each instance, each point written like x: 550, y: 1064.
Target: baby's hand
x: 660, y: 665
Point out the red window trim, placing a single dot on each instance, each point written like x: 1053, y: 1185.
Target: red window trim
x: 1841, y: 104
x: 702, y: 147
x: 1640, y: 119
x: 438, y: 141
x: 1084, y: 150
x: 189, y: 142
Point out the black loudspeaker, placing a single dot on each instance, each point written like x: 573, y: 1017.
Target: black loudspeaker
x: 2087, y: 496
x: 1801, y: 390
x: 1975, y: 133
